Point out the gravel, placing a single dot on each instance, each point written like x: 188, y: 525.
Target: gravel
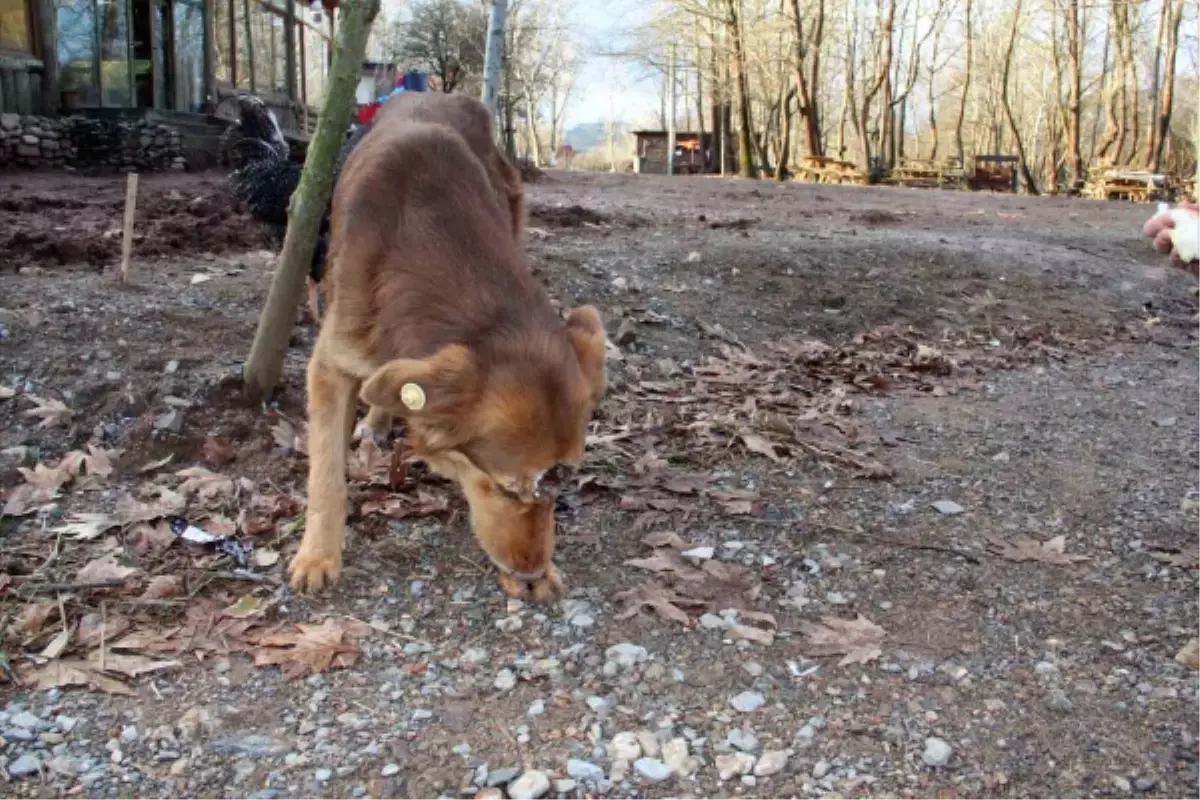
x: 747, y: 702
x: 937, y: 752
x: 24, y: 766
x: 530, y: 785
x: 584, y: 771
x: 948, y: 508
x: 652, y: 769
x: 770, y: 763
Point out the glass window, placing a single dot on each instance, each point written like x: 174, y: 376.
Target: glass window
x: 189, y: 55
x: 76, y: 53
x: 14, y: 26
x: 241, y: 40
x: 113, y: 21
x: 222, y: 43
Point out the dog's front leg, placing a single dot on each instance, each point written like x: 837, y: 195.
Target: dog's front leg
x: 331, y: 405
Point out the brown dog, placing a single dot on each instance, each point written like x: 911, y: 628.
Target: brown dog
x: 434, y: 313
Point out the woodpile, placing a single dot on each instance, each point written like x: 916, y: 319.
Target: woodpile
x: 823, y: 169
x: 1136, y: 186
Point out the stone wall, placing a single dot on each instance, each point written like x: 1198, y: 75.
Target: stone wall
x: 79, y: 142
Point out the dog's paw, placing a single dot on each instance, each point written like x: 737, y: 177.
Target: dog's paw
x: 311, y: 572
x: 545, y: 589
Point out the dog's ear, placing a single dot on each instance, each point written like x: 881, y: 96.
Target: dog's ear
x: 440, y: 386
x: 587, y: 335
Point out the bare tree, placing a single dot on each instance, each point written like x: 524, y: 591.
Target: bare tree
x: 1026, y: 175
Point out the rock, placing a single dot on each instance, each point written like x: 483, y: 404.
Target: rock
x: 937, y: 752
x: 770, y: 762
x: 753, y: 669
x: 536, y: 708
x: 675, y: 755
x: 18, y: 734
x: 947, y: 507
x: 505, y: 680
x: 699, y: 553
x: 625, y: 746
x: 584, y: 771
x: 254, y: 745
x: 652, y: 769
x: 28, y: 721
x: 1045, y: 669
x: 627, y: 333
x: 731, y: 765
x: 744, y: 740
x: 532, y: 784
x: 25, y: 766
x: 1058, y: 700
x: 1123, y: 786
x: 170, y: 421
x: 626, y: 654
x: 10, y: 122
x: 498, y: 777
x: 582, y: 621
x: 510, y: 624
x: 649, y: 743
x: 713, y: 622
x: 1141, y: 784
x: 323, y: 774
x: 389, y: 770
x: 821, y: 769
x: 564, y: 786
x: 65, y: 724
x: 747, y: 702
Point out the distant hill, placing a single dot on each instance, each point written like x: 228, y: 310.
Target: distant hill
x: 591, y: 135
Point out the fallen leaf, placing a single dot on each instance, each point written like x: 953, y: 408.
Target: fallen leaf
x: 288, y: 438
x: 750, y: 634
x: 95, y: 627
x: 658, y: 598
x: 663, y: 560
x: 246, y: 606
x: 57, y: 645
x: 85, y: 526
x: 163, y: 587
x: 1189, y: 654
x: 127, y: 664
x: 757, y: 444
x: 858, y: 640
x: 104, y: 569
x: 425, y: 504
x: 156, y: 464
x: 130, y: 510
x: 57, y: 674
x: 1026, y: 549
x: 26, y: 499
x: 44, y: 477
x: 98, y: 461
x: 148, y: 540
x: 311, y: 649
x: 664, y: 539
x: 49, y: 411
x: 204, y: 483
x: 7, y: 393
x: 34, y: 616
x: 1187, y: 559
x: 217, y: 451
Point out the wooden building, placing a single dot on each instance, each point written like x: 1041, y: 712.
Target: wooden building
x: 177, y: 59
x: 694, y: 153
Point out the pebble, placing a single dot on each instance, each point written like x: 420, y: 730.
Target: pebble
x: 1144, y: 784
x: 699, y: 553
x: 649, y: 743
x: 25, y: 766
x: 744, y: 740
x: 505, y: 680
x: 510, y: 624
x: 626, y: 654
x: 490, y: 793
x: 564, y: 786
x: 770, y: 762
x: 836, y: 599
x: 1045, y: 669
x: 747, y: 702
x: 947, y: 507
x: 582, y: 621
x: 323, y: 774
x: 652, y: 769
x: 625, y: 746
x: 499, y: 776
x: 536, y: 708
x: 28, y: 721
x: 675, y: 755
x: 752, y: 668
x: 584, y: 771
x: 821, y: 769
x: 1121, y: 784
x: 937, y: 752
x: 711, y: 621
x: 66, y: 724
x: 733, y: 764
x: 532, y: 784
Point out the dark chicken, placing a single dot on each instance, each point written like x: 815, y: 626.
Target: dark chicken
x: 266, y: 179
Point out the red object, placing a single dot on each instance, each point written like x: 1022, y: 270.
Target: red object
x: 366, y: 113
x: 329, y: 5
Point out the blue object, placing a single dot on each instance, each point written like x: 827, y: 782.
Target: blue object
x: 411, y: 81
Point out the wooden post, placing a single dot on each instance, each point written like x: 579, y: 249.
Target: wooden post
x: 127, y: 231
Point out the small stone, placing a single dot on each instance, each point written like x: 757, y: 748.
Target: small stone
x: 693, y: 257
x: 597, y: 704
x: 747, y: 702
x: 498, y: 777
x: 582, y: 621
x: 947, y: 507
x: 389, y: 770
x: 1045, y: 669
x: 731, y: 765
x: 536, y: 708
x: 171, y: 421
x: 66, y: 724
x: 129, y: 734
x: 1144, y: 784
x: 564, y: 786
x: 649, y: 743
x: 752, y: 668
x: 29, y: 721
x: 699, y: 553
x: 652, y: 769
x: 675, y: 755
x: 625, y: 746
x: 510, y: 624
x: 532, y: 784
x: 584, y: 771
x: 505, y: 680
x: 821, y: 769
x: 744, y: 740
x: 836, y: 599
x: 1058, y: 700
x: 172, y: 366
x: 770, y: 762
x: 626, y: 654
x: 1122, y: 784
x: 713, y: 622
x: 25, y: 766
x: 937, y: 752
x: 627, y: 333
x: 323, y: 774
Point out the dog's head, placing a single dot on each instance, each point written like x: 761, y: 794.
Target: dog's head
x: 499, y: 419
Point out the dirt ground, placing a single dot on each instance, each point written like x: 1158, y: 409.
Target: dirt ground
x: 970, y: 420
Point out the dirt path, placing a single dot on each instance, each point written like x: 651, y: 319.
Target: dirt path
x: 803, y: 373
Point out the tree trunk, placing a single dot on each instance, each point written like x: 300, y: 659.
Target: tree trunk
x: 932, y: 97
x: 883, y: 75
x: 308, y: 204
x: 806, y: 87
x: 1156, y: 85
x: 1075, y: 94
x: 745, y: 147
x: 966, y: 91
x: 1166, y: 99
x: 785, y: 146
x: 493, y: 55
x: 1030, y: 185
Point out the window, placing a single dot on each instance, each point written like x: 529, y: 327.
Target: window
x: 188, y: 17
x: 223, y: 40
x: 76, y: 53
x: 14, y: 26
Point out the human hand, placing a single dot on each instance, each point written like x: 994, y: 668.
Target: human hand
x: 1159, y: 229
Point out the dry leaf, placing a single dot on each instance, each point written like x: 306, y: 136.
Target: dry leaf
x: 156, y: 464
x: 44, y: 477
x: 87, y: 526
x: 1026, y: 549
x: 858, y: 639
x: 204, y: 483
x: 659, y: 599
x: 1189, y: 559
x: 246, y: 606
x: 127, y: 664
x: 26, y: 499
x: 163, y: 587
x: 757, y: 444
x: 311, y: 649
x: 7, y: 393
x: 1189, y: 654
x: 98, y: 461
x: 51, y: 412
x: 664, y: 539
x: 217, y: 451
x: 424, y: 504
x: 57, y: 645
x: 75, y: 673
x: 104, y: 569
x: 750, y: 634
x: 34, y: 616
x: 129, y: 510
x: 147, y: 540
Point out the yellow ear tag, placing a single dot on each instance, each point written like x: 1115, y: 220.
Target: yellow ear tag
x: 413, y: 396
